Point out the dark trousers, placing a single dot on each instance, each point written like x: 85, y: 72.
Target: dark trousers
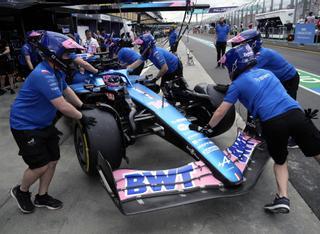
x: 292, y: 86
x: 221, y: 49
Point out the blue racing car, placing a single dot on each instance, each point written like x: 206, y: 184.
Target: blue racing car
x: 128, y: 107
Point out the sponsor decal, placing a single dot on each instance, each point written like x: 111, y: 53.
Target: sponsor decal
x: 226, y: 160
x: 176, y: 121
x: 45, y: 72
x: 158, y: 104
x: 158, y: 181
x: 144, y: 93
x: 183, y: 127
x: 210, y: 149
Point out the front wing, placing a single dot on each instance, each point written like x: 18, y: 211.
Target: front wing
x: 136, y: 191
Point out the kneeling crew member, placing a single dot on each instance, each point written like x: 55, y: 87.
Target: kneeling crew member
x: 32, y: 115
x: 263, y: 95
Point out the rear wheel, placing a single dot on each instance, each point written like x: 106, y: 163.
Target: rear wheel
x: 105, y: 137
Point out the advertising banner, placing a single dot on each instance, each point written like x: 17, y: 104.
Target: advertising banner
x: 304, y: 33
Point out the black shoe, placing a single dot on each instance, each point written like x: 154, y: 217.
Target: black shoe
x: 47, y: 201
x: 292, y: 144
x: 23, y: 199
x: 279, y: 205
x: 218, y: 65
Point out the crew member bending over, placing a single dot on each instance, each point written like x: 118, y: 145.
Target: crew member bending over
x: 263, y: 95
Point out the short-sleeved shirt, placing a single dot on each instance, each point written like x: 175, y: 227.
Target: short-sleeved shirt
x: 127, y: 56
x: 172, y: 38
x: 222, y: 32
x: 159, y: 56
x: 28, y: 50
x: 91, y: 45
x: 271, y: 60
x: 32, y: 108
x: 261, y: 92
x: 79, y: 77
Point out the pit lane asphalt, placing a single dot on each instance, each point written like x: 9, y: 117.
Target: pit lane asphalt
x: 304, y: 172
x: 88, y: 209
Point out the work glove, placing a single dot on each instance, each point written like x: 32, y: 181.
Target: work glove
x: 206, y: 130
x: 88, y: 121
x: 86, y: 106
x: 311, y: 114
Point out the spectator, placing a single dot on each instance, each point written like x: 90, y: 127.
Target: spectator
x: 266, y: 28
x: 241, y: 27
x: 311, y: 19
x: 6, y: 68
x: 222, y: 31
x: 91, y: 45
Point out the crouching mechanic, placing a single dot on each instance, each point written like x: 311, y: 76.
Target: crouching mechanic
x: 169, y: 65
x: 31, y: 117
x: 263, y: 95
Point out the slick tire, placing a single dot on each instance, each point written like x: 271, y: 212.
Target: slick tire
x: 105, y: 137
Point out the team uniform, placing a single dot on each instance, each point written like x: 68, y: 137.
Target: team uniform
x: 222, y: 32
x: 28, y: 50
x: 271, y: 60
x: 159, y: 56
x: 129, y: 56
x: 32, y: 114
x: 265, y: 98
x: 172, y: 41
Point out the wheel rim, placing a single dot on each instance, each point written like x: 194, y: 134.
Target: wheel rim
x: 82, y: 149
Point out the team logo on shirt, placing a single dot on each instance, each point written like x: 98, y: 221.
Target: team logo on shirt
x: 45, y: 72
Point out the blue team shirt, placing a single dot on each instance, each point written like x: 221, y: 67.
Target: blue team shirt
x: 172, y: 38
x: 127, y: 56
x: 261, y: 93
x: 222, y: 32
x: 159, y: 56
x: 79, y: 77
x: 32, y: 108
x: 27, y: 49
x: 271, y: 60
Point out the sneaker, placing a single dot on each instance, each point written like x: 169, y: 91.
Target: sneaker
x: 279, y: 205
x: 292, y: 144
x: 47, y: 201
x: 218, y: 65
x: 23, y: 199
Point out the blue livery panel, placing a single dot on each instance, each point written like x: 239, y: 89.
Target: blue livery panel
x: 170, y: 115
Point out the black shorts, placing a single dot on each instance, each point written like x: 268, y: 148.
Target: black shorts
x: 38, y: 147
x: 292, y: 86
x: 293, y: 123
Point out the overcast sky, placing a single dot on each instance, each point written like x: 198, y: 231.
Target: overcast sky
x: 178, y: 16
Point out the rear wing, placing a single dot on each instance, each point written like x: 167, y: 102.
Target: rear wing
x: 137, y: 191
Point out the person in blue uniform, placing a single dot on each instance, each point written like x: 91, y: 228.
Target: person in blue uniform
x: 31, y: 120
x: 29, y: 57
x: 222, y: 32
x: 270, y: 60
x: 172, y: 40
x: 169, y: 65
x: 126, y: 55
x: 261, y: 92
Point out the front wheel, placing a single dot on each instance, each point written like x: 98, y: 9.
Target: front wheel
x: 105, y: 137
